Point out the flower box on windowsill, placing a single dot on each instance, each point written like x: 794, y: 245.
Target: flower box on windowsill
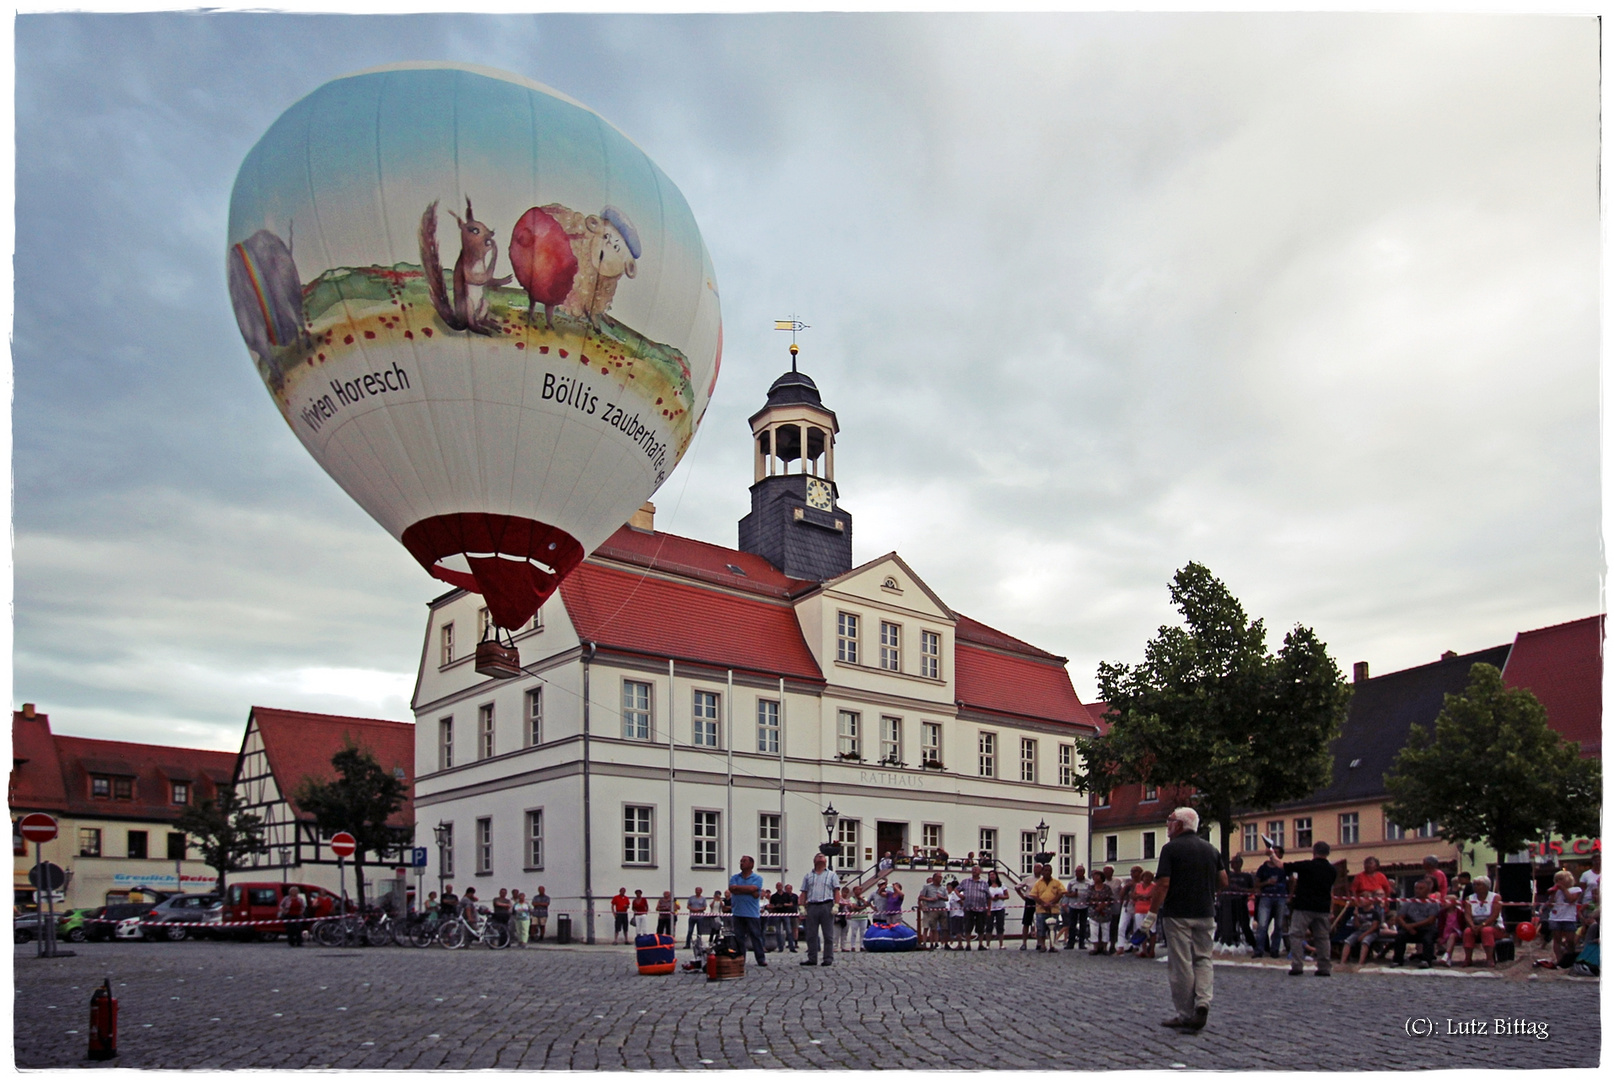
x: 934, y: 765
x: 848, y: 757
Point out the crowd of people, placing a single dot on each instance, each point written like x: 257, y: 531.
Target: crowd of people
x: 1302, y: 910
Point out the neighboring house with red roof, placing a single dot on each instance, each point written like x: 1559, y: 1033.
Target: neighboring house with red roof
x: 282, y: 748
x: 115, y: 804
x: 789, y: 680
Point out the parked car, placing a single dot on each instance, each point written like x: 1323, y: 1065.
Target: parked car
x: 26, y: 927
x: 182, y: 916
x: 257, y: 903
x: 72, y: 925
x: 115, y: 921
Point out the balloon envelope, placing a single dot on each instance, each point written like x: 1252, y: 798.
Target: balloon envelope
x: 484, y: 311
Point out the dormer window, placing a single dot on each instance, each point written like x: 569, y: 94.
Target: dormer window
x: 123, y: 787
x: 181, y: 793
x: 100, y: 787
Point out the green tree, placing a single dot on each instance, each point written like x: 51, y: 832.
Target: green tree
x: 359, y: 801
x: 1494, y: 772
x: 1211, y: 709
x: 225, y: 834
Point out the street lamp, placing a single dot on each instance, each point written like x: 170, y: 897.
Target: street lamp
x: 285, y: 863
x: 441, y: 831
x: 1043, y: 854
x: 831, y: 818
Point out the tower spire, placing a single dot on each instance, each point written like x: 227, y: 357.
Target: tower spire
x: 794, y: 325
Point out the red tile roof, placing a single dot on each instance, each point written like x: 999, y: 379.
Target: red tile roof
x: 301, y: 744
x: 641, y: 613
x: 701, y: 561
x: 1563, y: 666
x: 1097, y: 709
x: 981, y: 634
x: 1016, y: 684
x: 53, y: 773
x: 1127, y: 806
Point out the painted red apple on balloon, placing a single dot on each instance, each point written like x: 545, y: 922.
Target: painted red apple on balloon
x: 541, y: 256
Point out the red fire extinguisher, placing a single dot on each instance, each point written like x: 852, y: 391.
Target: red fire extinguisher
x: 103, y: 1023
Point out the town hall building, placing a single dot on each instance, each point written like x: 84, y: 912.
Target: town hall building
x: 683, y: 704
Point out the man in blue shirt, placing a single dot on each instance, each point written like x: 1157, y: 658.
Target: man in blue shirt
x: 745, y: 890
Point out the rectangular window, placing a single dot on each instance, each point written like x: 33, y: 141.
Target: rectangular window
x: 1067, y: 765
x: 484, y: 731
x: 1151, y: 793
x: 846, y: 638
x: 137, y: 843
x: 1275, y: 832
x: 89, y: 843
x: 891, y: 646
x: 988, y: 847
x: 535, y: 839
x: 1101, y: 798
x: 484, y: 621
x: 1350, y: 828
x: 1252, y: 839
x: 1302, y: 833
x: 930, y: 743
x: 635, y: 710
x: 446, y: 849
x: 933, y: 838
x: 929, y: 654
x: 846, y: 739
x: 484, y: 845
x: 1148, y: 845
x: 988, y: 747
x: 448, y: 645
x: 708, y: 827
x: 537, y: 620
x: 445, y: 743
x: 1111, y: 846
x: 637, y: 837
x: 846, y: 831
x: 705, y: 720
x: 769, y: 841
x: 177, y: 846
x: 1028, y: 761
x: 1067, y: 855
x: 181, y: 794
x: 535, y: 716
x: 1028, y: 852
x: 767, y: 726
x: 101, y: 787
x: 891, y: 740
x: 123, y: 787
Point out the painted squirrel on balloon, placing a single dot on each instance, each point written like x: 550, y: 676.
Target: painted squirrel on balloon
x: 563, y: 259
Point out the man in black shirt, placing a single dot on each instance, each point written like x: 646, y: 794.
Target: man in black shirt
x: 1185, y: 885
x: 1311, y: 910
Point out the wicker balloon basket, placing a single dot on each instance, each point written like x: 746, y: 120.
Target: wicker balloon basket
x: 724, y: 967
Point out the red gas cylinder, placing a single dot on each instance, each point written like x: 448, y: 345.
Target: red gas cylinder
x: 103, y: 1023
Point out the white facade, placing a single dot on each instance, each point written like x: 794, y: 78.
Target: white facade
x: 511, y: 765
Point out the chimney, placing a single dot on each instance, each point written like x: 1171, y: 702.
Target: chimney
x: 1359, y: 672
x: 1449, y: 654
x: 28, y: 710
x: 644, y: 518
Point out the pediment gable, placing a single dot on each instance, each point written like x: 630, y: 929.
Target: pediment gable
x: 890, y: 581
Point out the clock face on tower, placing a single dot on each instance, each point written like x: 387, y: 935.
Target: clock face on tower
x: 818, y: 495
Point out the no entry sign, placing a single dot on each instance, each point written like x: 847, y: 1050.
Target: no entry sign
x: 39, y: 828
x: 342, y: 845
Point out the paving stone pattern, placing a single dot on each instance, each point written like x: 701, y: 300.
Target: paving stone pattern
x: 217, y: 1005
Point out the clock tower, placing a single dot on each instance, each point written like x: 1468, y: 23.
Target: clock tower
x: 796, y: 521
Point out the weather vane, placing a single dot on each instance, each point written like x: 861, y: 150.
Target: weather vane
x: 794, y: 326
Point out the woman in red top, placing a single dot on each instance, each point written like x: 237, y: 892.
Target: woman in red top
x: 1142, y: 901
x: 1370, y: 880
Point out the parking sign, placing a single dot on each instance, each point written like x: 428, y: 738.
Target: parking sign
x: 420, y: 858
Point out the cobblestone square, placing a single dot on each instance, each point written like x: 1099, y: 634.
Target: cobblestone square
x: 207, y: 1005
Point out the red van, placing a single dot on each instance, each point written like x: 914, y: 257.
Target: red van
x: 259, y: 902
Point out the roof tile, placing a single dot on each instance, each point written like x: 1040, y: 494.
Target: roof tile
x: 1563, y: 666
x: 301, y: 744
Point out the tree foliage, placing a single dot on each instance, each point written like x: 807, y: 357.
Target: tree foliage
x: 224, y: 832
x: 1494, y: 772
x: 359, y: 801
x: 1210, y: 708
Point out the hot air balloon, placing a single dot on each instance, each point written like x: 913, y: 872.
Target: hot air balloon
x: 392, y: 240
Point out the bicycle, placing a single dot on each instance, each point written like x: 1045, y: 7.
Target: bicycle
x: 457, y: 933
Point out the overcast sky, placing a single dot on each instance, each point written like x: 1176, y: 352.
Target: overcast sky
x: 1310, y: 299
